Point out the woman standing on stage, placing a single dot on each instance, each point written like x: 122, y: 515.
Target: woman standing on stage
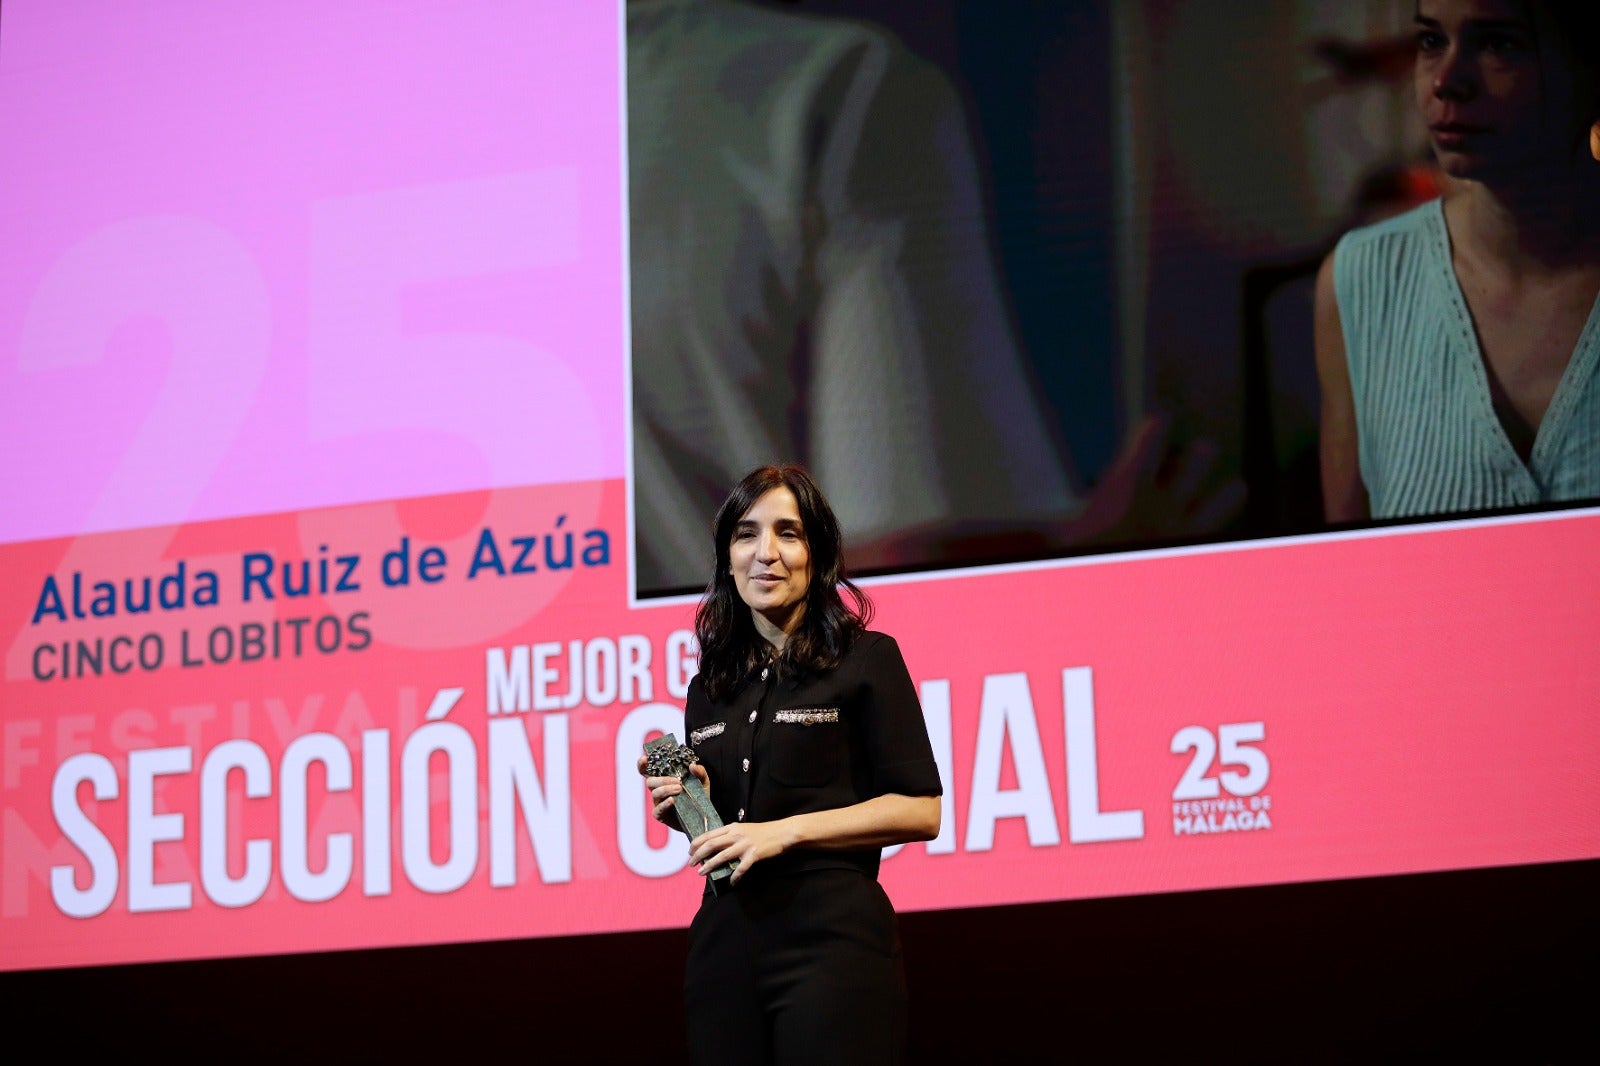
x: 1457, y: 344
x: 816, y: 757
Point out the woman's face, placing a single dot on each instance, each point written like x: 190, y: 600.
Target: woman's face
x: 771, y: 560
x: 1494, y: 101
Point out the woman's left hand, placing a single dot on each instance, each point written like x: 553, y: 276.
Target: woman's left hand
x: 748, y: 842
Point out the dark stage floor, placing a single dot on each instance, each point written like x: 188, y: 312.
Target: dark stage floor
x: 1498, y: 963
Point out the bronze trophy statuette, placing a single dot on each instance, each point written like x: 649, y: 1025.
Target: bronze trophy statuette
x: 665, y: 757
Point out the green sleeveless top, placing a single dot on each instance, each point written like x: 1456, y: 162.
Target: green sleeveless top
x: 1429, y: 440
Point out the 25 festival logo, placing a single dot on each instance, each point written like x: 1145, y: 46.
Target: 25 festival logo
x: 1198, y: 804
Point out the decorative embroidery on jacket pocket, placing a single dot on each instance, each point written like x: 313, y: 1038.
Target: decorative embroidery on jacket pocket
x: 707, y: 732
x: 807, y: 715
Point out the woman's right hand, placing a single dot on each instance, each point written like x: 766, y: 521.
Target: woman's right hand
x: 663, y: 789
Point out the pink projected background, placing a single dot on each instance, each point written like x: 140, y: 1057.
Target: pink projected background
x: 314, y: 597
x: 299, y: 254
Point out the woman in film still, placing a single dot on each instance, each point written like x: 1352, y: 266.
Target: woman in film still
x: 1457, y: 343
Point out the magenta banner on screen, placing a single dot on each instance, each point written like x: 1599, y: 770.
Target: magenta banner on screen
x: 333, y: 729
x: 315, y: 603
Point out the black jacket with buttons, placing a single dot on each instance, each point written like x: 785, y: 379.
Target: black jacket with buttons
x: 795, y: 745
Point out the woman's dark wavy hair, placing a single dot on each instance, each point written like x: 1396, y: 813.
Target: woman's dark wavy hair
x: 731, y: 650
x: 1573, y: 26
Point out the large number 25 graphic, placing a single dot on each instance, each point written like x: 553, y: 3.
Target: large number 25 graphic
x: 376, y: 383
x: 203, y: 286
x: 1235, y: 740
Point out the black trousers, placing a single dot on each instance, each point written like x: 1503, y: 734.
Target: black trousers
x: 796, y: 968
